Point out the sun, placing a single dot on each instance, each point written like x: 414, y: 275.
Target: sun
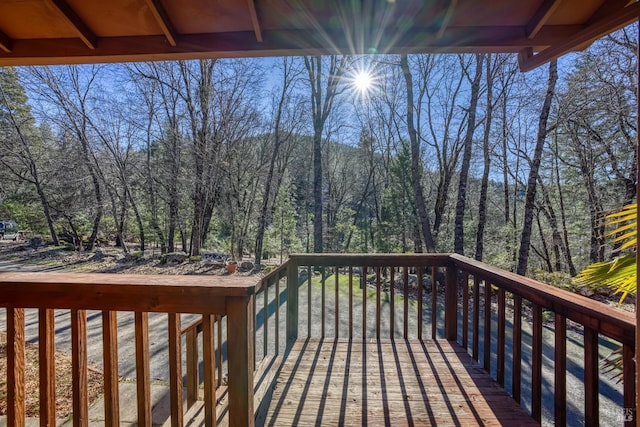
x: 363, y: 81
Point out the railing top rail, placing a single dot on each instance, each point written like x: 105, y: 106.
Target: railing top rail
x: 123, y: 292
x: 613, y: 322
x: 371, y: 260
x: 278, y: 273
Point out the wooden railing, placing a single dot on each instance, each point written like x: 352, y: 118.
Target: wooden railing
x: 487, y: 310
x: 211, y: 297
x: 593, y: 320
x: 468, y: 302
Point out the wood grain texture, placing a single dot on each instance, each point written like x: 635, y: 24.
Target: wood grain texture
x: 392, y: 298
x: 208, y: 356
x: 47, y: 363
x: 110, y: 357
x: 336, y: 309
x: 464, y: 281
x: 560, y: 371
x: 97, y: 291
x: 475, y: 328
x: 80, y: 367
x: 516, y: 348
x: 591, y: 379
x: 536, y: 364
x: 15, y: 367
x: 143, y: 375
x: 387, y: 382
x: 240, y: 323
x: 191, y: 355
x: 292, y: 303
x: 501, y: 338
x: 175, y: 370
x: 419, y: 313
x: 451, y: 304
x: 486, y: 353
x: 434, y: 302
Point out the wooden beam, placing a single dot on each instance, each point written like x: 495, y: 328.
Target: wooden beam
x: 254, y: 20
x: 447, y: 18
x: 6, y: 44
x: 163, y: 20
x: 528, y: 61
x: 541, y: 16
x: 86, y: 35
x: 276, y: 43
x: 607, y: 9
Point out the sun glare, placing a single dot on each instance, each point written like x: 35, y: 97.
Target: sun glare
x: 362, y: 81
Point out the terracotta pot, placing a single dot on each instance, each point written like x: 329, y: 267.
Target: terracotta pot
x: 232, y: 267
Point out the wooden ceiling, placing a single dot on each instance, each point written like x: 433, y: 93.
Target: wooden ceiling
x: 85, y: 31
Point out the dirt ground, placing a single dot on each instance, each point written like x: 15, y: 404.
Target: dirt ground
x: 105, y: 259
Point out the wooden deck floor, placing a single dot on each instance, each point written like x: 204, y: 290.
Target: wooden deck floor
x: 337, y: 382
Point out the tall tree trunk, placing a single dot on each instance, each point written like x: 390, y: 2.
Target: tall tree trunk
x: 47, y: 214
x: 525, y: 238
x: 486, y: 153
x: 416, y: 161
x: 563, y: 218
x: 458, y: 231
x: 321, y: 106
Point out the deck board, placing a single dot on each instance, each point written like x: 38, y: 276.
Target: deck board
x: 338, y: 382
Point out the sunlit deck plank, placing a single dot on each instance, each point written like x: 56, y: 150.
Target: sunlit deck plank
x: 337, y: 382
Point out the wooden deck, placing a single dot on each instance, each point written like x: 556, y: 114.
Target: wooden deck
x: 384, y: 382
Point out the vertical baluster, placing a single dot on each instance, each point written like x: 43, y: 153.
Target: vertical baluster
x: 465, y: 310
x: 364, y: 302
x: 378, y: 284
x: 47, y: 367
x: 451, y: 304
x: 192, y: 366
x: 536, y: 364
x: 501, y: 337
x: 337, y: 326
x: 476, y: 318
x: 516, y: 371
x: 110, y: 355
x: 560, y: 371
x: 350, y: 302
x: 79, y: 367
x: 175, y: 370
x: 591, y: 393
x: 265, y: 319
x: 434, y: 302
x: 255, y: 347
x: 309, y: 304
x: 420, y: 286
x: 405, y: 296
x: 487, y: 327
x: 209, y: 369
x: 15, y: 367
x: 629, y: 384
x: 143, y: 376
x: 392, y: 297
x: 276, y: 331
x: 323, y: 297
x: 219, y: 350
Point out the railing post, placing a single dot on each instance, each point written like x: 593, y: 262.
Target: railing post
x: 292, y: 304
x: 451, y: 304
x: 240, y: 324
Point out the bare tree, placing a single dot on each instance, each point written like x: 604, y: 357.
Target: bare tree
x: 324, y: 89
x: 416, y: 167
x: 529, y: 208
x: 458, y: 243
